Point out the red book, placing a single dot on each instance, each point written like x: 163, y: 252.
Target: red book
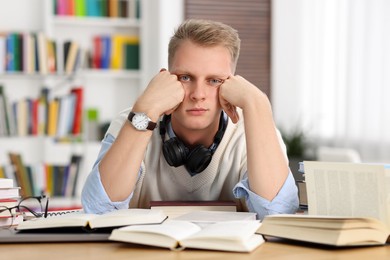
x: 78, y: 111
x: 71, y: 7
x: 97, y: 52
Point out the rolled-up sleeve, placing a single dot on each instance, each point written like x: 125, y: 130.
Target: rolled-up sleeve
x: 94, y: 197
x: 286, y: 201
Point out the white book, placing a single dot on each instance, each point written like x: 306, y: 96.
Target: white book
x: 9, y: 193
x: 29, y: 53
x: 6, y: 183
x: 65, y: 115
x: 42, y: 53
x: 2, y: 54
x: 235, y: 236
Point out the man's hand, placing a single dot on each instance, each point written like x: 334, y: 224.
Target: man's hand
x: 162, y: 96
x: 236, y: 92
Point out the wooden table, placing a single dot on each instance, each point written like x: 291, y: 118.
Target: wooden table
x: 116, y: 250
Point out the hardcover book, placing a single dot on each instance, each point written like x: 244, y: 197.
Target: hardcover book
x: 335, y: 231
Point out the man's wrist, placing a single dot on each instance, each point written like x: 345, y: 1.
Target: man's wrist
x: 141, y: 121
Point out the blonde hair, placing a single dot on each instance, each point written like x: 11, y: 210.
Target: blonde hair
x: 206, y: 33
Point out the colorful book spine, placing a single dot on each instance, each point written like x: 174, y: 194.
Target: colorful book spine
x: 78, y: 112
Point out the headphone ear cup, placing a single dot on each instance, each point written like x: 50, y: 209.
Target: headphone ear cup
x: 198, y: 159
x: 175, y: 152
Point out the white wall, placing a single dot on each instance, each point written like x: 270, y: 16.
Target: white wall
x: 167, y: 17
x: 21, y: 15
x: 286, y: 64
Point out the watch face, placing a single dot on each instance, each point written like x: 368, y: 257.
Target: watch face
x: 140, y: 121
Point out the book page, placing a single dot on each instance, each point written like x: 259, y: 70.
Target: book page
x: 346, y: 189
x: 168, y: 234
x: 124, y: 217
x: 68, y: 220
x: 227, y: 236
x: 176, y: 234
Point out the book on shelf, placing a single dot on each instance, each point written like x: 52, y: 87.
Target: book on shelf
x: 119, y: 56
x: 7, y: 120
x: 21, y: 174
x: 71, y: 56
x: 337, y: 231
x: 348, y: 189
x: 235, y: 236
x: 42, y: 53
x: 177, y: 208
x: 66, y: 115
x: 2, y: 52
x: 10, y: 52
x: 78, y: 110
x: 52, y: 180
x: 96, y: 8
x: 90, y: 222
x: 52, y: 120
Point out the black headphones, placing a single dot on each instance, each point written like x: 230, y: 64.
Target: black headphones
x: 196, y: 159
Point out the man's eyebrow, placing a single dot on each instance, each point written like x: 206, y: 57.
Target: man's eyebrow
x: 181, y: 72
x: 211, y: 76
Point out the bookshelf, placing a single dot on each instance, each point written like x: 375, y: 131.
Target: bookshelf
x: 109, y: 90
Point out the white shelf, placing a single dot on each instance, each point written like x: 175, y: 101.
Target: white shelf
x: 118, y: 74
x: 96, y: 21
x: 86, y: 73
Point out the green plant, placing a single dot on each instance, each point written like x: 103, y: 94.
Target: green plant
x: 296, y: 143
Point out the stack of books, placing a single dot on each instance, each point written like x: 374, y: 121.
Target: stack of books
x: 348, y: 206
x: 9, y: 195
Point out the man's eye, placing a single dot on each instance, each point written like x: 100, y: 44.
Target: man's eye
x: 184, y: 78
x: 215, y: 82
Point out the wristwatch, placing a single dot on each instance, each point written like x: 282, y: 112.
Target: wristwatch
x: 141, y: 121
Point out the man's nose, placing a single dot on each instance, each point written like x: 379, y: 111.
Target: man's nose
x: 197, y: 90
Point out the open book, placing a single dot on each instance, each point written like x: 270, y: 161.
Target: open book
x: 237, y: 236
x: 348, y: 189
x: 328, y: 230
x: 118, y: 218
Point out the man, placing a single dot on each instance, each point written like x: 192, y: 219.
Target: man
x: 197, y: 132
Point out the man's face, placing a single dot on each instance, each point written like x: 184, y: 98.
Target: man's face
x: 201, y: 71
